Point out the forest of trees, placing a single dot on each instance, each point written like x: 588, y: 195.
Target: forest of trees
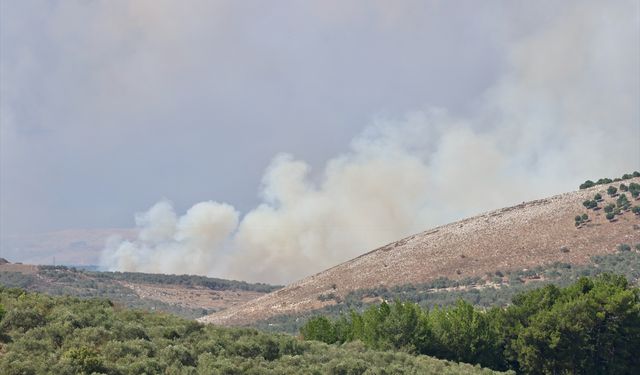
x: 589, y: 327
x: 41, y: 334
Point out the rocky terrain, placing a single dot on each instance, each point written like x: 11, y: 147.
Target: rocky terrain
x: 523, y: 236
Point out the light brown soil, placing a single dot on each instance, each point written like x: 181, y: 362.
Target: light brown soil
x: 27, y: 269
x: 195, y: 297
x: 522, y: 236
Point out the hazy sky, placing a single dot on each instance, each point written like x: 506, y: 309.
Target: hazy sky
x: 107, y: 107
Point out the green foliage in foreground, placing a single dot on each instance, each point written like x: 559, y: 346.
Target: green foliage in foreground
x: 589, y: 327
x: 40, y: 334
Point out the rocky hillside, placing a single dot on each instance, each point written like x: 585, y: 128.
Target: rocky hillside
x: 519, y: 237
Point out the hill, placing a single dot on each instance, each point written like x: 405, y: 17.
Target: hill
x: 70, y: 246
x: 529, y: 235
x: 184, y: 295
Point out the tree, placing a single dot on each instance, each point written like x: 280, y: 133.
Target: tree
x: 624, y: 187
x: 609, y: 208
x: 611, y: 190
x: 597, y: 197
x: 587, y: 184
x: 622, y: 202
x: 585, y: 217
x: 319, y: 328
x: 610, y: 216
x: 624, y: 247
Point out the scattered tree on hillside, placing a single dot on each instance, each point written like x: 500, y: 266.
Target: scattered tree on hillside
x: 612, y: 190
x: 622, y: 202
x: 587, y: 184
x: 624, y: 247
x: 610, y: 216
x: 597, y: 197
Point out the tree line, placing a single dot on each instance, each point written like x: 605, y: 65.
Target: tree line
x: 589, y: 327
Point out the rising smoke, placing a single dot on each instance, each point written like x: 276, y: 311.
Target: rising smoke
x: 566, y: 109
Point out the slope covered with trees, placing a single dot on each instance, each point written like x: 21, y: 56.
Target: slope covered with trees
x: 40, y: 334
x: 589, y: 327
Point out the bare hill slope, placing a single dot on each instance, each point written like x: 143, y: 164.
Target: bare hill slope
x: 523, y: 236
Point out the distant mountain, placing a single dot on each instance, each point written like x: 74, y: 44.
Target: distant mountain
x: 71, y: 246
x: 521, y: 237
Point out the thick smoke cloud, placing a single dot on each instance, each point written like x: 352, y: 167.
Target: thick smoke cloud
x: 566, y: 109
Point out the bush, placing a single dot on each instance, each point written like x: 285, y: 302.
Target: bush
x: 623, y: 187
x: 587, y: 184
x: 623, y: 202
x: 585, y: 217
x: 609, y: 208
x: 610, y: 215
x: 624, y: 247
x: 612, y: 190
x: 597, y: 197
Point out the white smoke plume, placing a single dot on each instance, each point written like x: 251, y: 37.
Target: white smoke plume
x: 566, y: 109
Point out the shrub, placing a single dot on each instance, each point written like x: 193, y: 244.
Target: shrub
x: 623, y: 187
x: 624, y: 247
x: 636, y: 210
x: 603, y: 181
x: 610, y: 215
x: 623, y: 202
x: 587, y: 184
x: 597, y: 197
x: 585, y: 217
x: 612, y: 190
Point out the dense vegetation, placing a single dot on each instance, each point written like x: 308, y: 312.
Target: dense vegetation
x: 41, y: 334
x: 62, y: 280
x: 589, y: 327
x: 494, y: 289
x: 603, y: 181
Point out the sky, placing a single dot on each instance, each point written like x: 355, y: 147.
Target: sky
x: 231, y: 132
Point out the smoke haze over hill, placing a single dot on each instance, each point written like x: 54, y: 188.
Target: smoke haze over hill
x: 565, y: 107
